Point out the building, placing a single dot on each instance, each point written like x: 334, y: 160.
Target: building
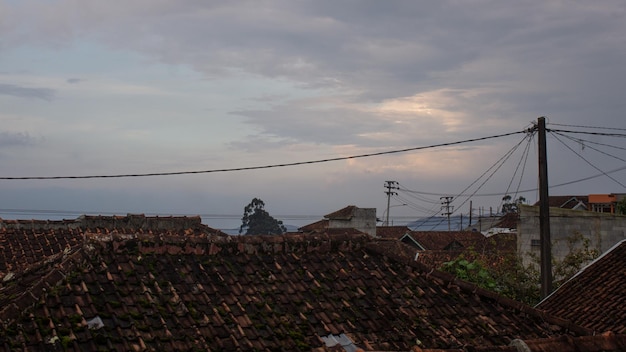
x: 567, y: 229
x: 350, y: 217
x: 140, y: 289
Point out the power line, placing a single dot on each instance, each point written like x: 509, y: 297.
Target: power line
x: 524, y: 190
x: 263, y: 166
x: 587, y: 161
x: 591, y: 127
x: 582, y: 142
x: 501, y: 162
x: 592, y: 133
x: 524, y: 159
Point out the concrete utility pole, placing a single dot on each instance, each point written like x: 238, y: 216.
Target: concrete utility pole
x: 389, y: 185
x: 544, y: 211
x: 446, y: 205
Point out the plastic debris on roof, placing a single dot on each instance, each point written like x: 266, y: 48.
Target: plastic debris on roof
x: 341, y: 339
x: 95, y: 323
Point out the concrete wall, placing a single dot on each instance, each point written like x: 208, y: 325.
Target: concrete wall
x: 363, y: 219
x: 603, y: 230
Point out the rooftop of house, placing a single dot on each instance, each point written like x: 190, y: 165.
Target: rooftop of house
x: 596, y: 296
x: 608, y: 342
x: 567, y: 201
x: 392, y: 232
x: 508, y: 221
x: 342, y: 214
x: 24, y: 243
x: 171, y: 291
x: 318, y: 225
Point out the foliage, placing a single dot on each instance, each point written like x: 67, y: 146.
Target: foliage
x: 621, y: 207
x: 471, y: 271
x: 509, y: 206
x: 257, y: 221
x: 579, y: 254
x: 508, y: 276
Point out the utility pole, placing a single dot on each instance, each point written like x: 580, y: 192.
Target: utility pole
x: 446, y: 205
x: 470, y: 214
x: 390, y: 185
x: 544, y: 211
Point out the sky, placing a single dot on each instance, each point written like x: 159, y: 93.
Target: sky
x: 133, y: 87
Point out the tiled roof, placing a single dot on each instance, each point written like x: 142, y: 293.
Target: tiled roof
x: 24, y: 248
x: 598, y: 343
x: 342, y: 214
x: 134, y: 291
x: 395, y: 232
x: 24, y: 243
x: 596, y: 296
x: 318, y: 225
x: 440, y: 240
x: 508, y: 221
x: 566, y: 202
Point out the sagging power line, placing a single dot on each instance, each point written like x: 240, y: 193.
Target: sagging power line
x: 397, y: 151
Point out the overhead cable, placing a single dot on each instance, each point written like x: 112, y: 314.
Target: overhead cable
x: 587, y: 161
x: 263, y: 166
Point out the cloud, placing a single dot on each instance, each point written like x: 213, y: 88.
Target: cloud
x: 9, y: 139
x: 74, y: 80
x: 377, y: 51
x: 26, y: 92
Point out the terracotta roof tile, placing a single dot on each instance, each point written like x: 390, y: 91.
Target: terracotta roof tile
x: 596, y: 296
x: 318, y: 225
x: 342, y: 214
x: 148, y: 292
x: 394, y: 232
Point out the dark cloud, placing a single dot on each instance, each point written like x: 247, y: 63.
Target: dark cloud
x: 26, y: 92
x: 74, y: 80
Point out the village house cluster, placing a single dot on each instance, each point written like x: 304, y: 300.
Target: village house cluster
x: 139, y: 283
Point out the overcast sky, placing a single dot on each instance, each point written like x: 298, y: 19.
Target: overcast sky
x: 128, y: 87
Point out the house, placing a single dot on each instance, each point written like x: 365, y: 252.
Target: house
x: 125, y: 289
x: 595, y: 297
x: 572, y: 202
x: 350, y: 217
x: 599, y: 203
x: 25, y: 243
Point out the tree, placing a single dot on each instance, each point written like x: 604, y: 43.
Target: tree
x: 621, y: 207
x: 511, y: 207
x: 511, y: 278
x: 257, y: 221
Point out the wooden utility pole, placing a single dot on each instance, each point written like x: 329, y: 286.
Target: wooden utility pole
x: 470, y: 214
x: 544, y: 212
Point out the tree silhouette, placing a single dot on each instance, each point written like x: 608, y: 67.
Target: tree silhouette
x: 511, y: 206
x: 257, y: 221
